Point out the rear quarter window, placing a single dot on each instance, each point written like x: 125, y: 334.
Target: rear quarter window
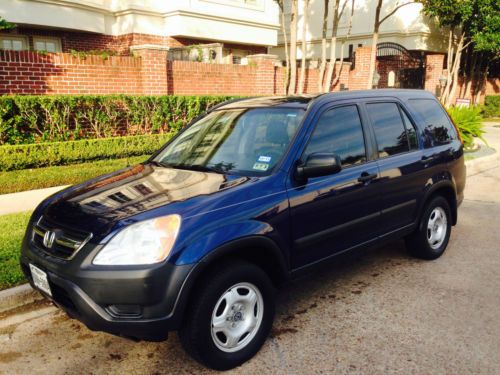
x: 437, y: 127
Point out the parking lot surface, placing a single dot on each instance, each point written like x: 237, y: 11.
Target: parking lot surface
x: 383, y: 312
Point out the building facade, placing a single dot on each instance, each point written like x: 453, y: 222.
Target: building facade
x: 407, y: 27
x: 239, y: 27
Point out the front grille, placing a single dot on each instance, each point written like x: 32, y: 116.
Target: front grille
x: 57, y: 241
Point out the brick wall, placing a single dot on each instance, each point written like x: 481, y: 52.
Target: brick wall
x: 147, y: 72
x: 33, y: 73
x: 358, y: 76
x: 434, y: 64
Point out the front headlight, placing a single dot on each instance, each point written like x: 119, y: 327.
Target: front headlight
x: 146, y: 242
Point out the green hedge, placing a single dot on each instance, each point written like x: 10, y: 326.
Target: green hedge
x: 491, y: 106
x: 15, y: 157
x: 49, y: 118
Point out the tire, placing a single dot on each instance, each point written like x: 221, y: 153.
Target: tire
x: 429, y: 241
x: 226, y: 298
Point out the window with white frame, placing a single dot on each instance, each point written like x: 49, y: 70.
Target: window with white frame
x: 47, y: 44
x: 13, y: 42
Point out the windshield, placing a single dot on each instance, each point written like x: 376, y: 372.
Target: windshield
x: 242, y: 141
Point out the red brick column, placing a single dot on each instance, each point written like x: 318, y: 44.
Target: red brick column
x: 265, y: 80
x: 433, y: 70
x: 154, y: 68
x: 358, y: 77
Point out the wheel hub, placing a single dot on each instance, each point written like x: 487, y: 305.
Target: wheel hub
x: 437, y: 227
x: 237, y: 317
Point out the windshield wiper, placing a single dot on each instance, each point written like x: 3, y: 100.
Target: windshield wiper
x: 190, y: 167
x: 160, y: 164
x: 201, y: 168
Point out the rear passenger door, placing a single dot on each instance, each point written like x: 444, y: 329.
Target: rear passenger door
x: 399, y: 161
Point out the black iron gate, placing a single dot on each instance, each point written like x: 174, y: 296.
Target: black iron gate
x: 397, y: 67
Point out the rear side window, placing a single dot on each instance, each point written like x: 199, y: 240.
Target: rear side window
x: 390, y: 130
x: 411, y: 133
x: 339, y: 131
x: 438, y: 130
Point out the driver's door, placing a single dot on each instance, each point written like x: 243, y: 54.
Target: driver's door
x: 334, y: 213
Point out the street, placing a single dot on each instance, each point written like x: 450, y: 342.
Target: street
x: 381, y: 313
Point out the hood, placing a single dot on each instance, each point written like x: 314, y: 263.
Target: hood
x: 97, y: 205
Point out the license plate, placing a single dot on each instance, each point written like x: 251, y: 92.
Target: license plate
x: 40, y: 279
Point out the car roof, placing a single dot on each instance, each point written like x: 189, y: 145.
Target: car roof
x: 304, y: 101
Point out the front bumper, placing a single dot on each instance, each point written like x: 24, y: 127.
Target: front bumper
x: 137, y: 303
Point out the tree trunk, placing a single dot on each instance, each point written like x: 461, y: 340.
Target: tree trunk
x: 472, y: 74
x: 373, y: 53
x: 348, y: 34
x: 287, y: 55
x: 449, y: 61
x: 456, y: 69
x: 305, y: 18
x: 293, y: 49
x: 333, y: 48
x: 483, y: 79
x: 321, y: 75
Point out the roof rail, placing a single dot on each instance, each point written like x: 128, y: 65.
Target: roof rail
x: 214, y: 107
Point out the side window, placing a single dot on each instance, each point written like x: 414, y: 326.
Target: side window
x: 438, y: 130
x: 390, y: 131
x: 339, y: 131
x: 410, y: 131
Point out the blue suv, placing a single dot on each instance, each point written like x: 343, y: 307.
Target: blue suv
x: 252, y: 194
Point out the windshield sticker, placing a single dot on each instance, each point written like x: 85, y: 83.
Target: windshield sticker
x: 260, y: 166
x: 264, y: 159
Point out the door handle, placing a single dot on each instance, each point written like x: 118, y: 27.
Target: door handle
x: 366, y: 177
x: 427, y: 159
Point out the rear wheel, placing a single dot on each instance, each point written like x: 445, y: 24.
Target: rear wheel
x: 431, y: 238
x: 230, y: 317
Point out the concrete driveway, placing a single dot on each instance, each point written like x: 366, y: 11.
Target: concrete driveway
x: 381, y: 313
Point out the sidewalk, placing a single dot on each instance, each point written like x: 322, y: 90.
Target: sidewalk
x: 25, y: 200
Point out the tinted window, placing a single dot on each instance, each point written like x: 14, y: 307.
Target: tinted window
x: 411, y: 133
x: 438, y: 129
x: 389, y: 129
x: 247, y: 141
x: 339, y: 131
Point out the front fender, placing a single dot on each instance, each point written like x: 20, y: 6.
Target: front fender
x: 199, y: 248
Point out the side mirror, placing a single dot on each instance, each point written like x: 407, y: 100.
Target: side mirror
x: 318, y: 164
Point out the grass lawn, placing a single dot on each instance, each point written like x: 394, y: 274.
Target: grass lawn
x: 12, y: 229
x: 29, y: 179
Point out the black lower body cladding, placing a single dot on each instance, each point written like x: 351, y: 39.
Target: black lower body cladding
x: 136, y: 303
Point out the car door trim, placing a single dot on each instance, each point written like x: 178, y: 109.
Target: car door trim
x: 306, y: 241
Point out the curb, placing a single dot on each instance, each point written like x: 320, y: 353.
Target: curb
x: 18, y: 296
x: 481, y: 164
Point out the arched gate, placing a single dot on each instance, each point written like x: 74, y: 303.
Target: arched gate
x: 399, y: 68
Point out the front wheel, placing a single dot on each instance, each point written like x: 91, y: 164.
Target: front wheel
x: 230, y: 317
x: 430, y: 239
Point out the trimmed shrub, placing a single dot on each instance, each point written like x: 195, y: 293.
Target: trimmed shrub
x: 14, y: 157
x: 469, y: 123
x: 50, y: 118
x: 491, y: 106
